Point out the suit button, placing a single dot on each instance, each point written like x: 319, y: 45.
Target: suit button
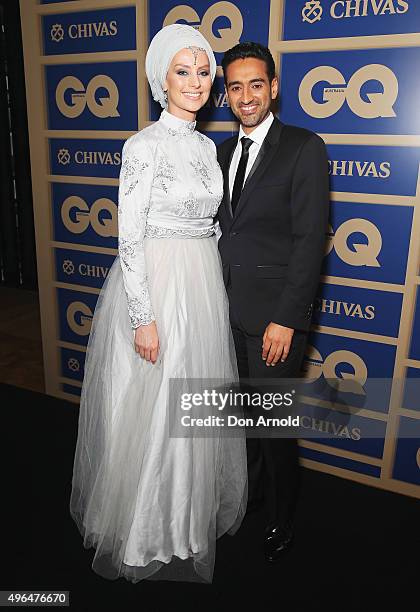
x: 233, y: 234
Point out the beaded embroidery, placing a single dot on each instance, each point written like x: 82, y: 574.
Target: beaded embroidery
x: 165, y: 173
x: 154, y: 231
x: 131, y: 169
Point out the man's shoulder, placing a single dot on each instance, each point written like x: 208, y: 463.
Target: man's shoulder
x: 299, y: 135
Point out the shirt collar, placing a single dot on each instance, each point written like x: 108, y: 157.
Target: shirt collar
x: 260, y: 132
x: 180, y: 126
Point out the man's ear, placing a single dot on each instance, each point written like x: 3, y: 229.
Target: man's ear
x: 274, y: 88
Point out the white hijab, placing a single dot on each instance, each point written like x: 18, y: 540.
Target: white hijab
x: 164, y: 45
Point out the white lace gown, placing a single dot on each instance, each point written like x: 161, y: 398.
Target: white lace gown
x: 153, y: 505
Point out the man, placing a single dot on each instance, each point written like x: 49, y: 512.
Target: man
x: 273, y: 220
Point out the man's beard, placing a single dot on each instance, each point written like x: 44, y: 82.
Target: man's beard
x: 254, y: 119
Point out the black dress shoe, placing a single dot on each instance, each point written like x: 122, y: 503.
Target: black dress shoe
x: 277, y: 541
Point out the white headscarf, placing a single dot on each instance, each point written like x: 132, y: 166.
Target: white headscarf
x: 164, y: 45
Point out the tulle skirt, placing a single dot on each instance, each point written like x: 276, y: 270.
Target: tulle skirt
x: 152, y: 505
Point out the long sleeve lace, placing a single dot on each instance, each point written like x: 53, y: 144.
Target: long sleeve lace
x: 135, y: 186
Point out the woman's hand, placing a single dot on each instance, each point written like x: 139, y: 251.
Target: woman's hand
x: 146, y: 341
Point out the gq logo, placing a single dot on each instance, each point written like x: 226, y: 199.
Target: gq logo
x: 360, y: 254
x: 80, y: 96
x: 378, y: 104
x: 79, y: 318
x: 228, y: 37
x: 84, y: 216
x: 314, y: 366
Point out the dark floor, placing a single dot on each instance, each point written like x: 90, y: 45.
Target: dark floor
x: 356, y: 547
x: 21, y: 361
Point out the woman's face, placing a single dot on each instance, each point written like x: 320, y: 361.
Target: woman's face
x: 188, y: 82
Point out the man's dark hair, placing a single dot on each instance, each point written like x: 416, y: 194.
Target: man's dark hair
x: 250, y: 49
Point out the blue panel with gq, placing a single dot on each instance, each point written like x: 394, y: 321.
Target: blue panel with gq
x: 363, y: 242
x: 352, y: 92
x: 75, y: 315
x: 224, y: 24
x: 85, y: 214
x: 90, y: 31
x: 335, y: 359
x: 92, y: 96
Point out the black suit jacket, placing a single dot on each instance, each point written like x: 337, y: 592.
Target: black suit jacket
x: 272, y: 248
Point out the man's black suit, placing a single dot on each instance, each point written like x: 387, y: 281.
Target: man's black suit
x: 271, y: 250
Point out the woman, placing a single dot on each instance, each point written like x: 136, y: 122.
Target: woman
x: 145, y: 500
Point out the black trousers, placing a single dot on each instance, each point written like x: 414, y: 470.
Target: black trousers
x: 273, y: 468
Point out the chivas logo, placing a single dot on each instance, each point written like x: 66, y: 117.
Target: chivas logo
x: 359, y: 168
x: 104, y: 158
x: 63, y: 157
x: 378, y: 105
x: 312, y: 11
x: 359, y: 254
x: 362, y: 8
x: 84, y: 30
x: 77, y: 216
x: 344, y: 308
x: 226, y: 37
x: 330, y: 427
x: 84, y: 269
x: 68, y: 267
x: 57, y: 32
x: 80, y: 97
x: 73, y: 364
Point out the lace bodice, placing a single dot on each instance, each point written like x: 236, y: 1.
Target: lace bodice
x: 170, y: 185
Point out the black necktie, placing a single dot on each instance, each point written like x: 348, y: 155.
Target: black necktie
x: 240, y: 172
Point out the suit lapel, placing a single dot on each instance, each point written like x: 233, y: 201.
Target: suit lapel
x: 264, y: 157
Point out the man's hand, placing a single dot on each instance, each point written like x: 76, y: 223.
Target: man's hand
x: 276, y: 343
x: 146, y: 341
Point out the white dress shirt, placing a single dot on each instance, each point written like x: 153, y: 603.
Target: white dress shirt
x: 257, y: 136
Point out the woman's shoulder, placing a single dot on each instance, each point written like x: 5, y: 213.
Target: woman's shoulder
x: 205, y: 140
x: 145, y: 140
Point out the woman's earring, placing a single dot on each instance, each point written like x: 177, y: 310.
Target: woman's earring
x: 165, y: 91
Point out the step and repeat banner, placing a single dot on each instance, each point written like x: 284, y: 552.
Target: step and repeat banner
x: 348, y: 70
